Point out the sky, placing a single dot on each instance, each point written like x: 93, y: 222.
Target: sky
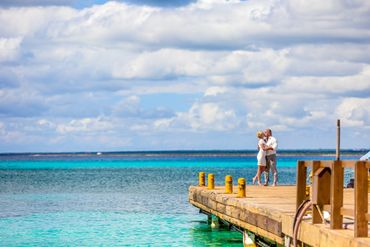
x: 183, y: 75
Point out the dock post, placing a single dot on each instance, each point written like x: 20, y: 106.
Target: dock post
x: 241, y: 187
x: 321, y: 190
x: 202, y: 179
x: 301, y: 183
x: 228, y: 184
x: 211, y: 181
x: 336, y: 195
x: 361, y: 200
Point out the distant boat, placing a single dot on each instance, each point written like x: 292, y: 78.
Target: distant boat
x: 98, y: 153
x: 366, y: 156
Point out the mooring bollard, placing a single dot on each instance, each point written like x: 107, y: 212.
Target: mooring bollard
x: 202, y: 179
x: 241, y: 187
x: 211, y: 181
x: 228, y: 184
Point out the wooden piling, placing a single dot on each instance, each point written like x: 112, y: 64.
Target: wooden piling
x: 301, y: 183
x: 336, y: 197
x: 361, y: 199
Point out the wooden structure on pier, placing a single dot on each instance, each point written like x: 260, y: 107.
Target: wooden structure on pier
x: 266, y: 214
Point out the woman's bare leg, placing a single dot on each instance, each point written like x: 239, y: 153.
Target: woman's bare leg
x: 255, y: 177
x: 259, y: 172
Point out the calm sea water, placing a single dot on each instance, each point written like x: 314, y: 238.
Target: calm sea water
x: 115, y: 200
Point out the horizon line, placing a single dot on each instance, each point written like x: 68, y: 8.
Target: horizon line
x: 315, y: 150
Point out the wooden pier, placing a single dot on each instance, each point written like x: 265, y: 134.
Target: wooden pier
x: 266, y: 215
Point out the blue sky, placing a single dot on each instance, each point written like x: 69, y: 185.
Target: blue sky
x: 170, y: 75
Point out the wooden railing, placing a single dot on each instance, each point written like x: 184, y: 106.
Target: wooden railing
x: 327, y: 192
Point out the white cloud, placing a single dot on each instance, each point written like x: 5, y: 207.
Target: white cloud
x: 213, y: 91
x: 208, y: 116
x: 2, y: 128
x: 163, y: 123
x: 129, y: 106
x: 355, y: 112
x: 173, y: 63
x: 33, y: 21
x: 84, y: 125
x: 9, y: 48
x: 288, y: 65
x: 45, y: 123
x: 331, y: 84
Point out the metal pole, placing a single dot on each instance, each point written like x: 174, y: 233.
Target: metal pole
x: 337, y: 156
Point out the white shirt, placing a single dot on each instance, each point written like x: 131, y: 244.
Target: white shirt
x: 271, y: 142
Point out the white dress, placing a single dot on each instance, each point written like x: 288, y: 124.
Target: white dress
x: 261, y: 156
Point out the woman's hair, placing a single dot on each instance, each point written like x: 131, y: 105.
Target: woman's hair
x: 259, y: 134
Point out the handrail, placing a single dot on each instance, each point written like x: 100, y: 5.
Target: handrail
x: 328, y: 188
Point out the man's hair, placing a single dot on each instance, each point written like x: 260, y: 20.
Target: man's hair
x: 269, y: 130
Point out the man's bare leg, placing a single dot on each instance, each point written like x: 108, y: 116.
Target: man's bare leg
x: 267, y: 172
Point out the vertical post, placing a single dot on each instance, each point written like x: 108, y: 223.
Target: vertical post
x: 215, y: 222
x: 318, y: 184
x: 211, y: 181
x: 301, y: 182
x: 336, y: 197
x: 337, y: 155
x: 202, y: 179
x: 228, y: 184
x: 241, y: 187
x: 361, y: 199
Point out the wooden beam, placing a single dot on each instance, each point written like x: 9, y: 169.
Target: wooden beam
x: 301, y: 183
x: 348, y: 164
x: 255, y: 229
x: 316, y: 217
x: 368, y: 217
x: 361, y: 199
x: 327, y: 207
x: 347, y: 212
x: 326, y: 163
x: 336, y: 195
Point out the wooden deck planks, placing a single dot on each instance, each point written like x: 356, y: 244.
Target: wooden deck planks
x: 269, y: 212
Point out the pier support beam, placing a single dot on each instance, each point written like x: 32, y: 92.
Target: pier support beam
x: 215, y: 222
x: 248, y: 241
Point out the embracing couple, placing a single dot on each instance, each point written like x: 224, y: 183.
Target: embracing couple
x: 266, y: 157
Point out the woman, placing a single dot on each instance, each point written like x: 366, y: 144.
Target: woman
x: 261, y: 157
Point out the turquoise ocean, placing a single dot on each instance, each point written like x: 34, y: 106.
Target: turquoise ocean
x: 121, y: 199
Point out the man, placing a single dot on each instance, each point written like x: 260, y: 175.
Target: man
x: 272, y: 144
